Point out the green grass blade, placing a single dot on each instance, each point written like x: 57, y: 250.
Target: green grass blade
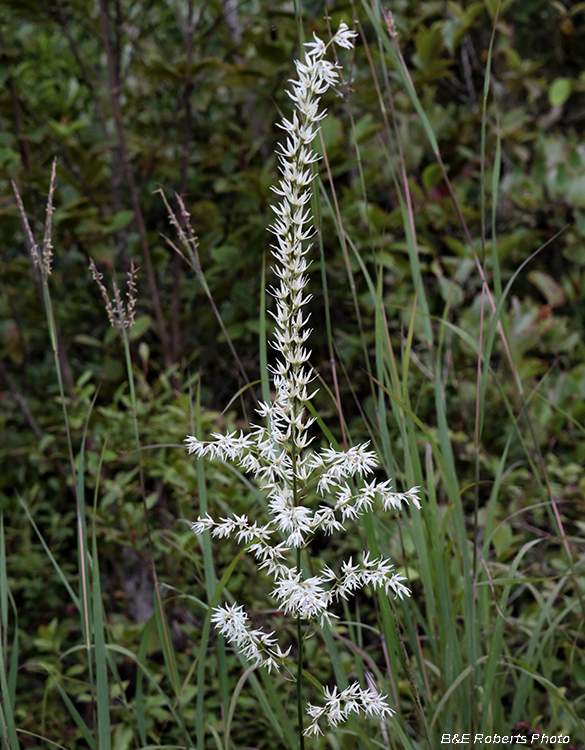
x: 385, y: 356
x: 7, y: 722
x: 264, y: 374
x: 46, y: 742
x: 3, y: 584
x: 82, y: 551
x: 233, y: 702
x: 199, y: 717
x: 5, y: 596
x: 535, y: 644
x: 102, y: 691
x: 13, y: 667
x: 209, y: 570
x: 486, y: 90
x: 559, y: 693
x: 449, y: 692
x: 165, y: 641
x: 74, y: 713
x: 272, y: 706
x: 62, y: 576
x: 152, y: 680
x: 139, y: 695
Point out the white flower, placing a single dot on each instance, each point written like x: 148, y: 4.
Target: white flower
x: 256, y: 646
x: 195, y: 446
x: 302, y: 598
x: 296, y: 521
x: 325, y: 519
x: 338, y: 706
x: 317, y: 47
x: 269, y: 555
x: 395, y: 583
x: 395, y: 499
x: 201, y: 525
x: 356, y: 460
x: 344, y: 36
x: 352, y: 579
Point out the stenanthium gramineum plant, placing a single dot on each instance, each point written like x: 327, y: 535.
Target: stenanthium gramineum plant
x: 278, y: 456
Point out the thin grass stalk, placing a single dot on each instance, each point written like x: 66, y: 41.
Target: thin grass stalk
x: 182, y: 224
x: 326, y: 306
x: 391, y: 46
x: 479, y: 409
x: 102, y: 691
x: 43, y: 258
x: 469, y: 592
x: 14, y: 651
x: 493, y: 640
x: 209, y: 569
x: 163, y: 627
x: 263, y: 338
x: 385, y: 362
x: 553, y: 507
x: 355, y: 144
x: 448, y: 662
x: 402, y: 69
x: 300, y: 713
x: 84, y: 563
x: 450, y: 658
x: 482, y: 150
x: 127, y: 654
x: 343, y: 240
x: 494, y: 213
x: 525, y: 669
x: 480, y: 405
x: 139, y: 694
x: 390, y: 628
x: 115, y: 100
x: 73, y: 712
x: 274, y: 709
x: 449, y: 643
x: 414, y: 473
x: 368, y: 424
x: 3, y: 589
x: 233, y: 703
x: 535, y: 645
x: 555, y: 510
x: 8, y: 732
x: 383, y: 345
x: 200, y: 709
x: 122, y: 316
x: 298, y: 6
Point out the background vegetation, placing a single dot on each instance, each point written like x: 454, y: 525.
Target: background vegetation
x: 489, y: 419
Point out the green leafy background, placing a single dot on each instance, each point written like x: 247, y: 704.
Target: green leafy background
x: 200, y: 87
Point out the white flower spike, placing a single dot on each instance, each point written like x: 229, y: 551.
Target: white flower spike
x: 293, y: 479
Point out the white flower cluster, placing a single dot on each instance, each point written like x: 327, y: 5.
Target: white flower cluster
x: 256, y: 646
x: 339, y: 706
x: 276, y: 455
x: 271, y: 463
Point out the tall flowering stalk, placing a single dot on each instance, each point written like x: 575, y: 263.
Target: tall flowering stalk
x: 277, y: 455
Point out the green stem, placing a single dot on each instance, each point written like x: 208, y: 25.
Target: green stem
x: 163, y: 634
x: 300, y: 670
x: 299, y: 630
x: 55, y: 347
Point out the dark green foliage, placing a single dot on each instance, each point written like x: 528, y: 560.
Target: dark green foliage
x: 197, y: 104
